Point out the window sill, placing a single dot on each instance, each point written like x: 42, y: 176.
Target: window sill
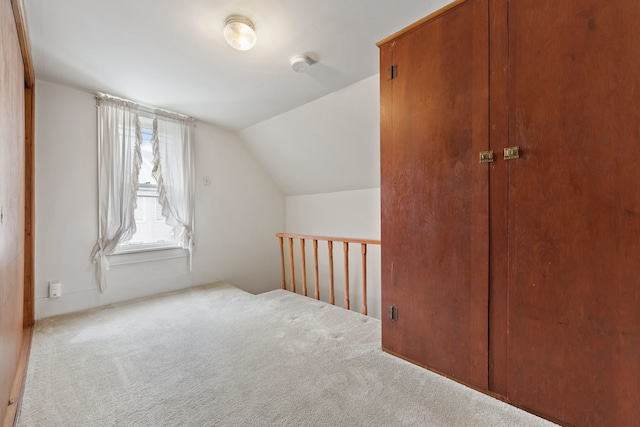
x: 137, y: 255
x: 146, y: 247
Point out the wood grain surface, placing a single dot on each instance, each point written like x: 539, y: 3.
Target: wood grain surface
x: 435, y: 193
x: 574, y: 219
x: 498, y: 197
x: 563, y: 321
x: 12, y: 206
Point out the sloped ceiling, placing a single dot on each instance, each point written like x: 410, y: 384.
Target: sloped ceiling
x: 330, y: 144
x: 315, y: 132
x: 171, y: 53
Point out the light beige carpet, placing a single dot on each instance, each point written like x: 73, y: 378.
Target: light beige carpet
x: 217, y: 356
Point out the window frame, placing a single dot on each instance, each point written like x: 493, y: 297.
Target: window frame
x: 147, y: 190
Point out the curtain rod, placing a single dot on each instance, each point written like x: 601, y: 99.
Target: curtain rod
x: 145, y: 108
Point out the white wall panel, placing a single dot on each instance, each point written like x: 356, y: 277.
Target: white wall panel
x: 237, y: 215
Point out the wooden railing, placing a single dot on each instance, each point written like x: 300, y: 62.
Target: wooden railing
x: 303, y: 264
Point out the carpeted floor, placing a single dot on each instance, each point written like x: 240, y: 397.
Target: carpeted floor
x: 217, y: 356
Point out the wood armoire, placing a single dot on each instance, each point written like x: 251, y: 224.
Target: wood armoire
x: 17, y: 83
x: 510, y: 191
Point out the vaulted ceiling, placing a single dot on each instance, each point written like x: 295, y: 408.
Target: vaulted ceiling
x: 171, y: 53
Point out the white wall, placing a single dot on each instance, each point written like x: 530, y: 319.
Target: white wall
x: 346, y: 213
x: 326, y: 157
x: 340, y: 214
x: 328, y: 145
x: 237, y: 216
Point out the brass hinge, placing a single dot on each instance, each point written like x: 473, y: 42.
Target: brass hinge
x: 392, y: 72
x: 392, y: 312
x: 486, y: 156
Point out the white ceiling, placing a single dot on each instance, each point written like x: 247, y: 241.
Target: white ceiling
x: 171, y: 53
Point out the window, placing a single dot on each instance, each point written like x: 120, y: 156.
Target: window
x: 144, y: 160
x: 152, y: 231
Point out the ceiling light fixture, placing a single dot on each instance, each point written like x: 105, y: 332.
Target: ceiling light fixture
x: 239, y: 32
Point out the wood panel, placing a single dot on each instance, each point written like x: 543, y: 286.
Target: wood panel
x: 435, y: 193
x: 20, y: 18
x: 29, y: 114
x: 419, y: 23
x: 12, y: 176
x: 574, y: 338
x: 29, y: 207
x: 498, y: 197
x: 20, y: 379
x: 29, y: 201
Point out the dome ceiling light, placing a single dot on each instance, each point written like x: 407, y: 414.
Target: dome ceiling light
x: 239, y: 32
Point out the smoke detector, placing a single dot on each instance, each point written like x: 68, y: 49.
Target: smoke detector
x: 300, y: 63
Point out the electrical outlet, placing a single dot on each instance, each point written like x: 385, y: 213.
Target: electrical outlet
x: 55, y: 289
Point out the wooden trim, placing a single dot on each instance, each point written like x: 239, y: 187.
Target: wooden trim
x: 471, y: 386
x: 12, y: 361
x: 417, y: 24
x: 347, y: 303
x: 332, y: 296
x: 363, y: 251
x: 291, y: 266
x: 23, y: 36
x: 316, y: 281
x: 303, y: 260
x: 11, y: 417
x: 498, y: 198
x: 22, y: 29
x: 332, y: 239
x: 28, y: 313
x: 284, y: 277
x: 489, y: 393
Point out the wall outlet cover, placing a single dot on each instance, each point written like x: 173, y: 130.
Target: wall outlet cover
x: 55, y: 289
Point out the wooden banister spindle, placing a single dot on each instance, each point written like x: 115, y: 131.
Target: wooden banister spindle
x: 331, y: 292
x: 293, y: 276
x: 345, y: 245
x: 316, y: 267
x: 363, y: 247
x: 284, y: 278
x: 303, y: 259
x: 315, y: 264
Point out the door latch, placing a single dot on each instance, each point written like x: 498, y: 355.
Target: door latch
x: 511, y: 153
x: 486, y: 156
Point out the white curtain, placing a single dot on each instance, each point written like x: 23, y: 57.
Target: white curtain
x: 172, y: 160
x: 119, y: 161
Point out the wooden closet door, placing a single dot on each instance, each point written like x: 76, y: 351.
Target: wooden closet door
x: 574, y: 270
x: 435, y: 193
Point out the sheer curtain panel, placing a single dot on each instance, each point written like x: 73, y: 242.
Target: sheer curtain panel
x: 173, y: 171
x: 119, y: 160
